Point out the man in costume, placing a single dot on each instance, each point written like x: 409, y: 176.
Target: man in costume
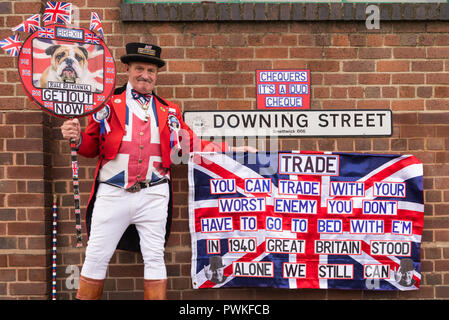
x: 135, y: 137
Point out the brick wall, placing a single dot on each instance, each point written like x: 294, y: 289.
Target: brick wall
x: 212, y: 53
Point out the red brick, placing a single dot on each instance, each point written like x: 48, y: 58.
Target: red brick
x: 289, y: 40
x: 417, y: 131
x: 201, y: 93
x: 29, y: 288
x: 437, y: 53
x: 374, y: 40
x: 374, y: 78
x: 373, y: 104
x: 358, y: 66
x: 202, y: 53
x: 441, y: 92
x: 173, y: 53
x: 25, y: 200
x: 437, y: 104
x: 320, y: 92
x: 237, y: 53
x: 355, y: 92
x: 217, y: 66
x: 305, y: 53
x: 338, y: 93
x: 7, y: 103
x: 424, y: 92
x: 289, y: 64
x: 169, y: 79
x: 340, y: 40
x: 183, y: 92
x: 434, y: 118
x: 182, y: 66
x: 324, y: 66
x: 278, y: 53
x: 340, y: 53
x: 234, y: 79
x: 29, y: 7
x: 375, y: 53
x: 340, y: 79
x: 406, y: 92
x: 409, y: 53
x: 427, y: 65
x: 252, y: 65
x: 407, y: 78
x: 416, y: 104
x: 234, y: 104
x: 393, y: 66
x: 28, y: 260
x: 26, y: 228
x: 121, y: 271
x: 437, y: 78
x: 24, y: 118
x: 201, y: 79
x: 24, y: 172
x: 442, y: 292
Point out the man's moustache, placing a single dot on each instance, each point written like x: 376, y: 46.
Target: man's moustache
x: 140, y: 79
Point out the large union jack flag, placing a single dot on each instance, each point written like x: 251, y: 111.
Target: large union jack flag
x: 57, y: 12
x: 11, y: 45
x: 306, y: 220
x: 29, y: 25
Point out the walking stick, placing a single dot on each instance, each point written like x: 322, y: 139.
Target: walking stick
x: 76, y: 193
x: 55, y: 218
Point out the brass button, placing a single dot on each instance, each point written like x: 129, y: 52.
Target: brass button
x: 141, y: 147
x: 140, y: 160
x: 141, y: 133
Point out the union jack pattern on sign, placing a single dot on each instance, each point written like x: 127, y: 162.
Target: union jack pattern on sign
x: 306, y: 220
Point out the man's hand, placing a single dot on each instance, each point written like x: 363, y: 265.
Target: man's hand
x: 244, y: 149
x: 71, y: 129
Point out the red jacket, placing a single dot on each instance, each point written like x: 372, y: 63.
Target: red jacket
x: 106, y: 146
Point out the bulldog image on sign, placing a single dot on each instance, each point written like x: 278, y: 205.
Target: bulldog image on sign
x: 69, y: 63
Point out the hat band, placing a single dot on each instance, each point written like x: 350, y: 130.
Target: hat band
x: 149, y: 52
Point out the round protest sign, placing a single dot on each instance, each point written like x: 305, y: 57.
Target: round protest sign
x: 67, y: 71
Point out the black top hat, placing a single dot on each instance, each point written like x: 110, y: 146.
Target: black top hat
x: 143, y: 52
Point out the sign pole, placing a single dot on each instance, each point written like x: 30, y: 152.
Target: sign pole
x: 76, y: 194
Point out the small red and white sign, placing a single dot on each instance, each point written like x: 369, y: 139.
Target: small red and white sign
x: 283, y: 89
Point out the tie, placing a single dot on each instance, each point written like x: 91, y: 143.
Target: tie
x: 143, y: 98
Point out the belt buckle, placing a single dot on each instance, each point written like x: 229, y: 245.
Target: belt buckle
x: 135, y: 188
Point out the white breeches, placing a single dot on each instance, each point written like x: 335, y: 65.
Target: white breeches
x: 114, y: 210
